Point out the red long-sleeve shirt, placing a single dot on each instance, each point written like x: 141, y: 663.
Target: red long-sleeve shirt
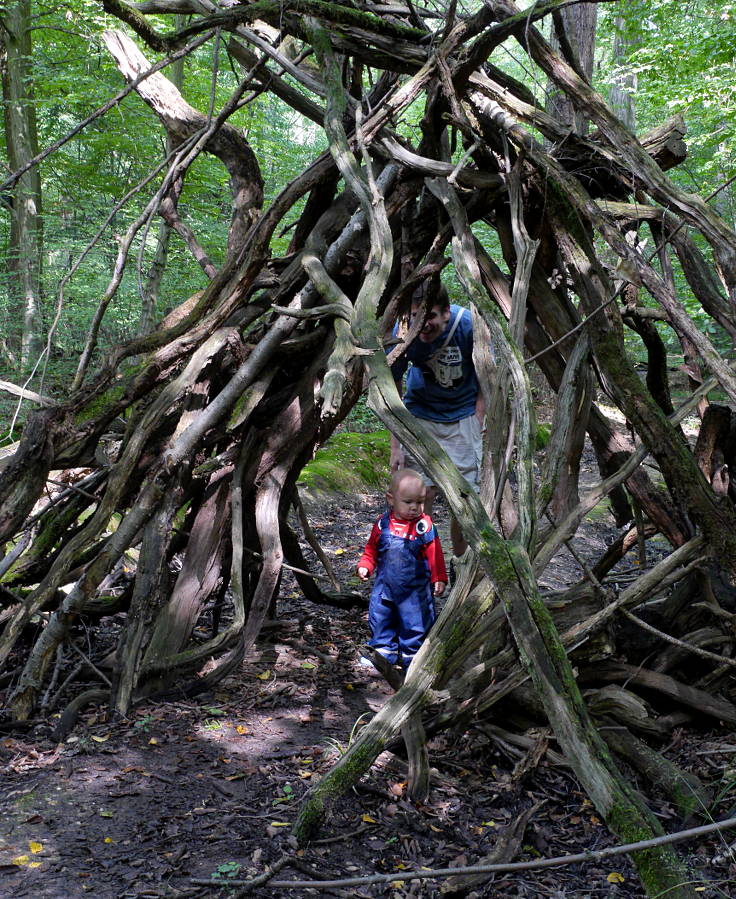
x: 431, y: 551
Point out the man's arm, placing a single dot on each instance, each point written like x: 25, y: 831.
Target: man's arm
x: 397, y: 451
x: 397, y: 454
x: 480, y: 407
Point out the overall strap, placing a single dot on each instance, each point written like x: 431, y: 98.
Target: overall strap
x: 453, y: 327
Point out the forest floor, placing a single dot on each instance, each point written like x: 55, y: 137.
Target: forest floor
x: 190, y: 797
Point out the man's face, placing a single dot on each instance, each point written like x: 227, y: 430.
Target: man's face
x: 434, y: 321
x: 407, y: 499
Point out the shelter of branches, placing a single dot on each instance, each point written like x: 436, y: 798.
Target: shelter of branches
x: 190, y: 439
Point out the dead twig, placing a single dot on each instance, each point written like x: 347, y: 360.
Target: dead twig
x: 536, y: 865
x: 311, y: 539
x: 696, y: 650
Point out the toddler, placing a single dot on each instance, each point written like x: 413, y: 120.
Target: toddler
x: 405, y: 553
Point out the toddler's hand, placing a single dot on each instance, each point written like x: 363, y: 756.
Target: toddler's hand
x: 363, y: 573
x: 439, y: 588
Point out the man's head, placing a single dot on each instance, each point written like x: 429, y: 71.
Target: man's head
x: 432, y: 302
x: 406, y: 494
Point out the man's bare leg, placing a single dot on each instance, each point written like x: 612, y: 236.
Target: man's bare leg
x: 459, y: 544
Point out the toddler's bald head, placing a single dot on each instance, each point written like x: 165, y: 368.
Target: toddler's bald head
x: 406, y: 494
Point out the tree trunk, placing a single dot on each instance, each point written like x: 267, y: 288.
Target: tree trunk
x: 25, y: 250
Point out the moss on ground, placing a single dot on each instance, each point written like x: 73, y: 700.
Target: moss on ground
x: 348, y: 463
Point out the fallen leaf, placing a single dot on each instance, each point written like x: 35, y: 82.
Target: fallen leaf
x: 153, y: 742
x: 25, y: 861
x: 280, y: 824
x: 339, y: 552
x: 308, y: 665
x: 104, y: 813
x: 488, y: 823
x: 264, y: 675
x: 615, y: 877
x: 108, y: 840
x: 241, y: 729
x: 35, y: 847
x: 100, y: 739
x: 369, y: 820
x: 349, y: 686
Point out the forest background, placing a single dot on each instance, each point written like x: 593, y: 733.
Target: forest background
x: 668, y: 58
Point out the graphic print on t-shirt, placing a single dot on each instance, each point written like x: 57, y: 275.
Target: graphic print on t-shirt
x: 447, y: 366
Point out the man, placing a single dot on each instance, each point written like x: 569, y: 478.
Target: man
x: 442, y: 390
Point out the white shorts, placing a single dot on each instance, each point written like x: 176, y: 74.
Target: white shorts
x: 462, y: 441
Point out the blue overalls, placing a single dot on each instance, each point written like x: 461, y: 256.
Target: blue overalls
x: 401, y: 608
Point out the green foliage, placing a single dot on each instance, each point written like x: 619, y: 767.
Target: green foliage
x: 82, y: 183
x: 544, y: 432
x: 681, y: 57
x: 227, y: 870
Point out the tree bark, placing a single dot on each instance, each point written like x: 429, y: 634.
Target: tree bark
x: 25, y: 251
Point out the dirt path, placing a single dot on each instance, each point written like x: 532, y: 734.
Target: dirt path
x: 205, y: 788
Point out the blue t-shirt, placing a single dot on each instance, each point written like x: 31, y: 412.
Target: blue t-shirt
x: 441, y: 384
